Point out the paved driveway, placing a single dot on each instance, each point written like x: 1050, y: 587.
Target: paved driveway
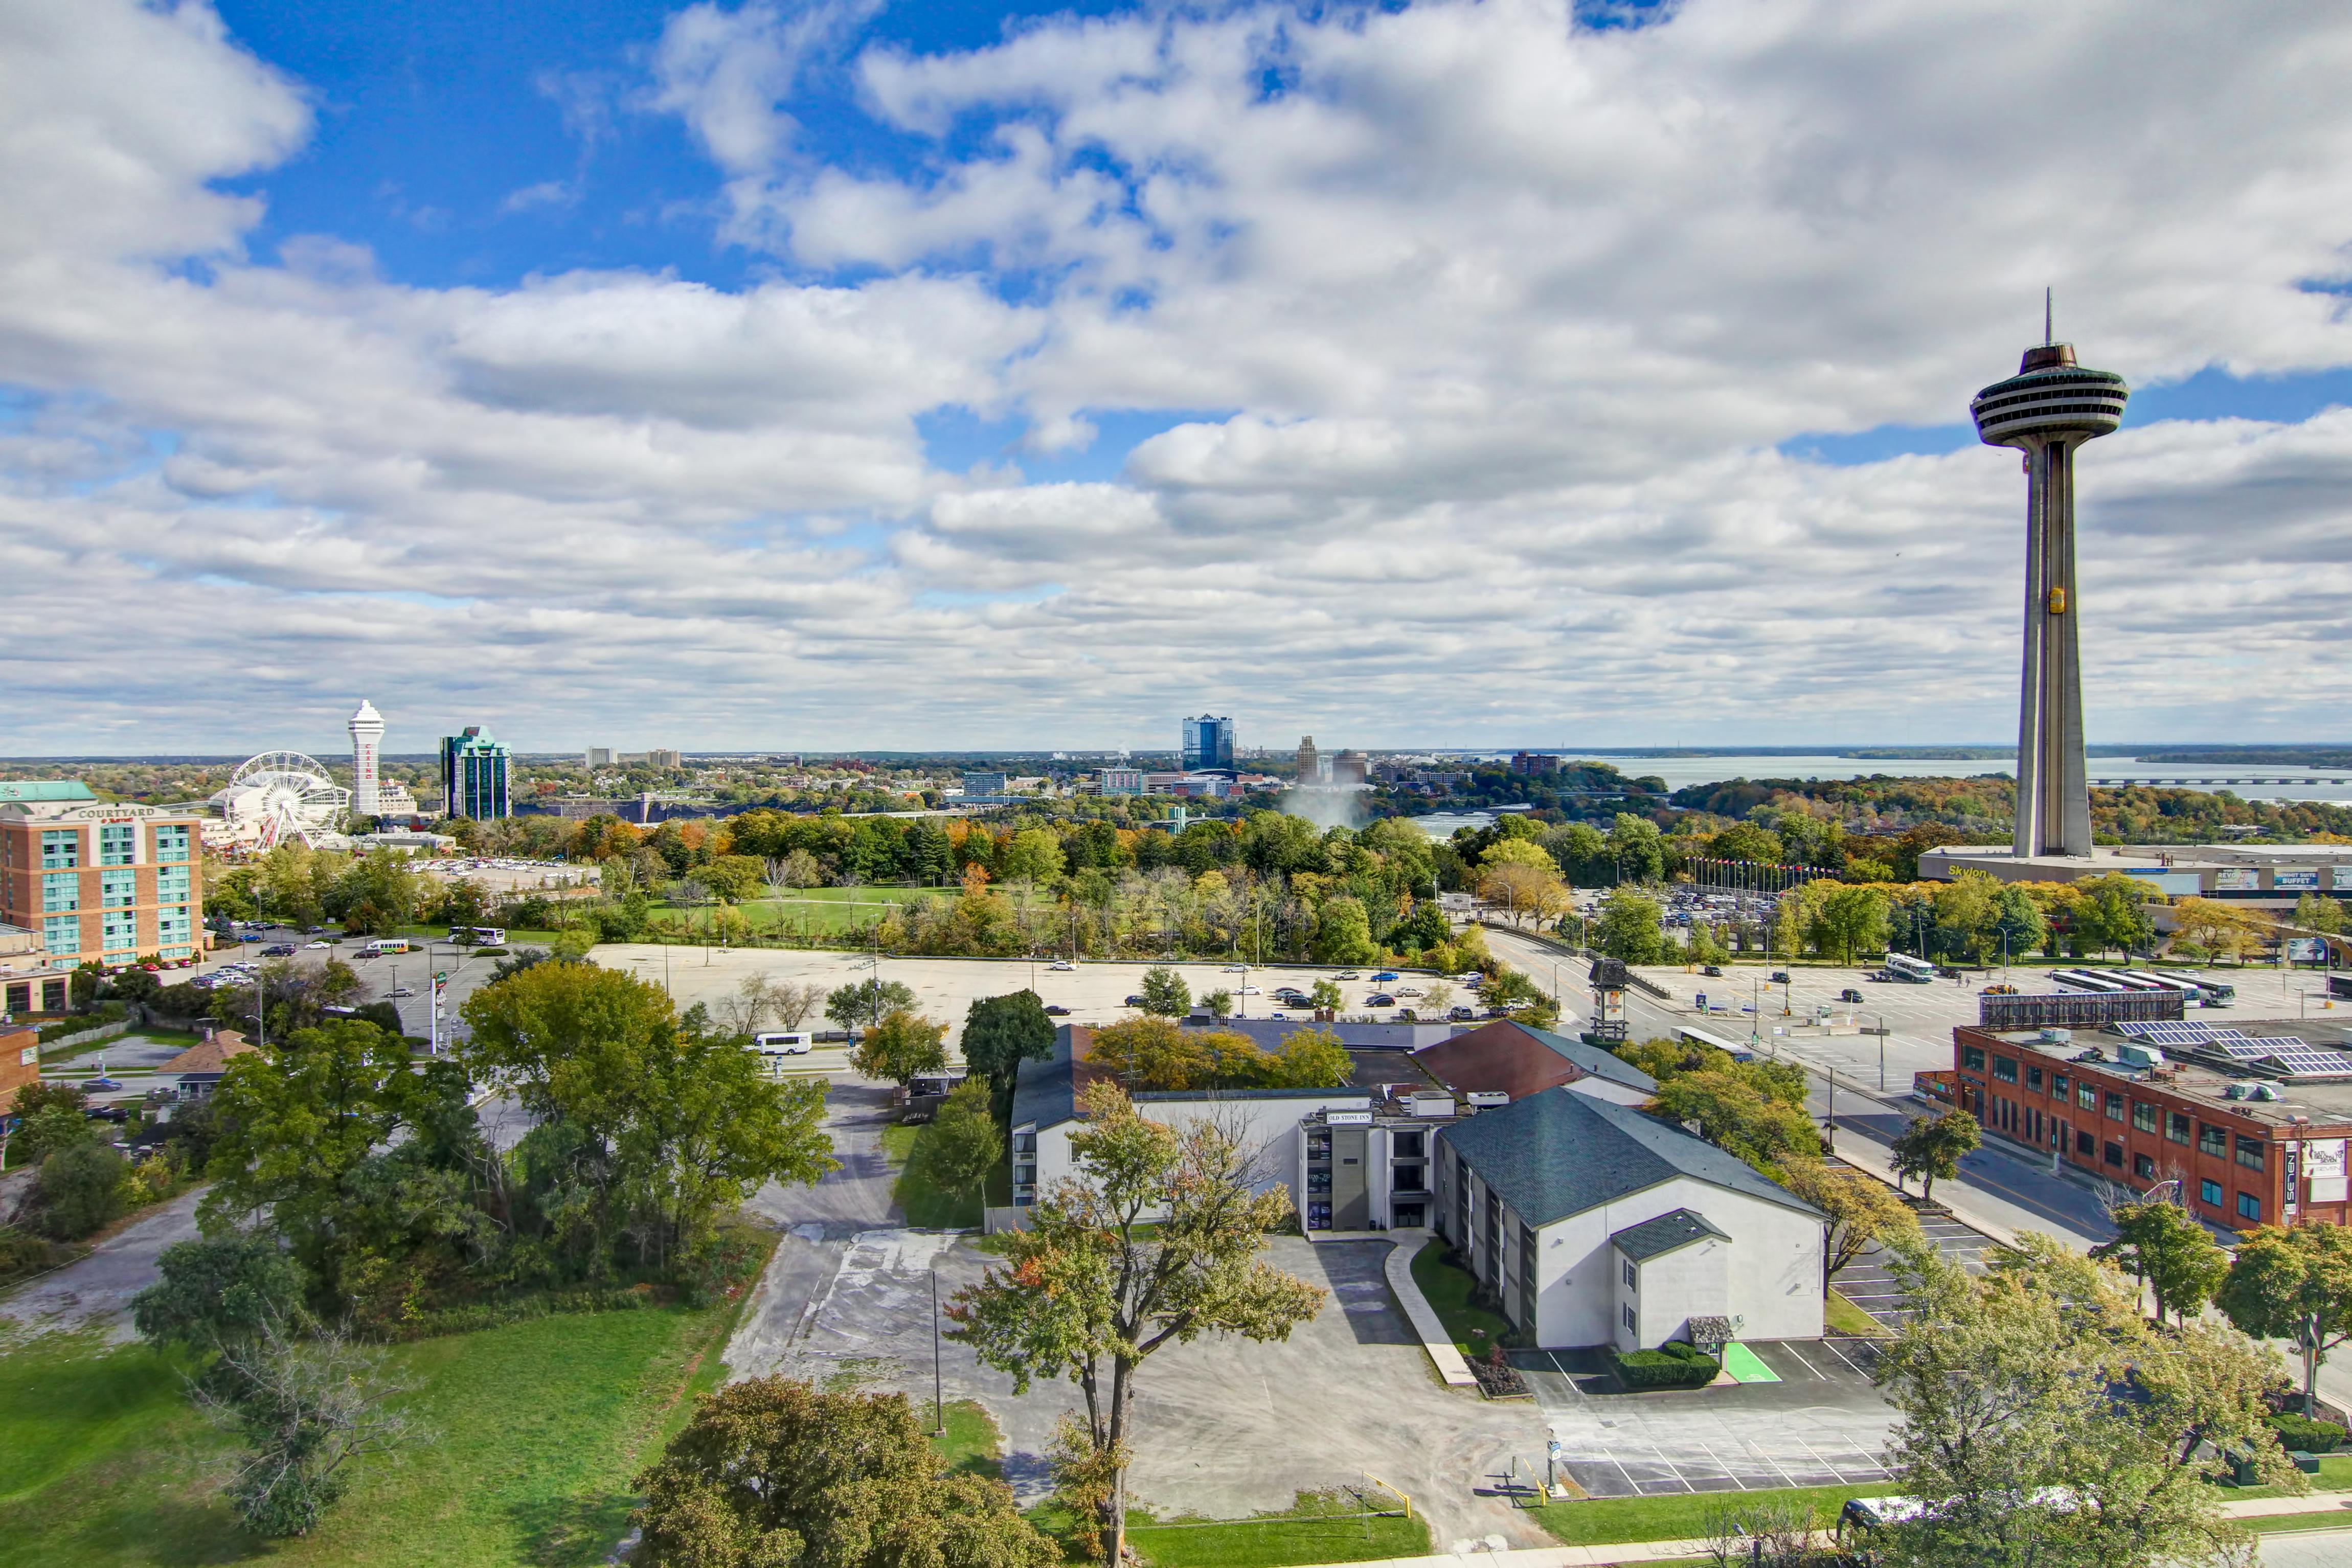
x: 98, y: 1288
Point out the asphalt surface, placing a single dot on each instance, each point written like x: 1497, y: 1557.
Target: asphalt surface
x: 97, y: 1290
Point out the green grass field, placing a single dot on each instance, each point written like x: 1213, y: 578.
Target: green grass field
x: 973, y: 1445
x: 1448, y: 1289
x: 538, y: 1429
x: 928, y: 1205
x: 1317, y: 1528
x: 1607, y: 1520
x: 1844, y: 1317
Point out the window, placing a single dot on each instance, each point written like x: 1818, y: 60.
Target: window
x: 2250, y: 1207
x: 172, y: 843
x: 60, y: 890
x: 120, y: 932
x: 60, y: 849
x: 1409, y: 1144
x: 118, y: 889
x: 1632, y: 1326
x: 61, y: 934
x: 2211, y: 1191
x: 2115, y: 1153
x: 2175, y: 1127
x: 1410, y: 1178
x: 2033, y: 1079
x: 2144, y: 1166
x: 172, y: 925
x: 1024, y: 1143
x: 2086, y: 1145
x: 2143, y: 1116
x: 2004, y: 1069
x: 1972, y: 1057
x: 1632, y: 1279
x: 117, y: 843
x: 2060, y: 1085
x: 2250, y: 1152
x: 2212, y: 1140
x: 2086, y: 1097
x: 2115, y: 1106
x: 172, y: 884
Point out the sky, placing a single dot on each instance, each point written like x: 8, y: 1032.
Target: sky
x: 848, y: 374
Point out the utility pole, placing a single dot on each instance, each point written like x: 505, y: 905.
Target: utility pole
x: 939, y: 1394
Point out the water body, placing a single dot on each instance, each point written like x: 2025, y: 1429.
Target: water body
x: 2334, y: 784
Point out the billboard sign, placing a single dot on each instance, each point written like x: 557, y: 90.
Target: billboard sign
x: 2237, y: 880
x: 2296, y: 881
x: 2323, y: 1163
x: 2306, y: 950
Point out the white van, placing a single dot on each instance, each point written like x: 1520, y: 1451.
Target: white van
x: 794, y: 1043
x: 383, y: 945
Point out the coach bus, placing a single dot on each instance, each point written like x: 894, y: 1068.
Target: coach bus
x: 1909, y: 970
x: 2090, y: 980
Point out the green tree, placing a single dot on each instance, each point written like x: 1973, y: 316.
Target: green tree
x: 2111, y: 913
x: 82, y: 1188
x: 1219, y: 1002
x: 1325, y: 994
x: 1165, y: 993
x: 964, y: 1143
x: 1630, y: 928
x: 2294, y: 1283
x: 219, y: 1292
x: 2015, y: 1428
x: 1518, y: 994
x: 1033, y: 855
x: 684, y: 1121
x: 51, y: 1128
x: 2167, y: 1250
x: 1736, y: 1112
x: 2017, y: 922
x: 1745, y: 841
x: 902, y: 1046
x: 307, y: 1407
x: 1309, y: 1059
x: 1343, y: 932
x: 1150, y: 1054
x: 1156, y: 1238
x: 1863, y: 1211
x: 1931, y: 1147
x: 861, y: 1004
x: 775, y: 1473
x: 1848, y: 919
x: 1000, y: 1033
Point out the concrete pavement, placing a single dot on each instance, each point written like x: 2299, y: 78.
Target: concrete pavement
x: 96, y: 1290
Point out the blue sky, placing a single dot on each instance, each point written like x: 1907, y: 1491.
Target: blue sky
x: 837, y: 374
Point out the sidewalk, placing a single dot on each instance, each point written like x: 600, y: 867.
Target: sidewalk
x: 1423, y: 1317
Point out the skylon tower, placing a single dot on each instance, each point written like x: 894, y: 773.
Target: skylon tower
x: 2049, y: 408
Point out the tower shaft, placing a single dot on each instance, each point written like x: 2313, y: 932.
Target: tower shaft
x: 2054, y: 794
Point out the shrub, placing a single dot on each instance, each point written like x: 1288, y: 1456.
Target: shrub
x: 1677, y: 1364
x: 2298, y: 1434
x: 82, y: 1189
x: 24, y: 1254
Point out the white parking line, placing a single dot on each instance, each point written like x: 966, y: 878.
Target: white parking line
x: 1843, y: 1357
x: 1765, y: 1455
x: 1673, y: 1469
x: 1572, y: 1388
x: 1727, y: 1469
x: 1808, y: 1365
x: 1832, y: 1469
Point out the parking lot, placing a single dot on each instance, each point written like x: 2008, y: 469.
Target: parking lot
x: 1870, y: 1285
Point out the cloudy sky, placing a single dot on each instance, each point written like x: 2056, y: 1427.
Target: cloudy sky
x: 852, y: 373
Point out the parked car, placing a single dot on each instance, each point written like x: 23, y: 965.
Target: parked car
x: 1134, y: 1002
x: 1780, y: 976
x: 1713, y: 971
x: 1057, y: 1011
x: 1251, y: 991
x: 1385, y: 975
x: 1061, y: 965
x: 309, y: 945
x: 279, y: 950
x: 1850, y: 995
x: 1410, y: 991
x: 107, y: 1113
x: 1346, y: 974
x: 1462, y: 1014
x: 1380, y: 1000
x: 401, y: 991
x: 1235, y: 969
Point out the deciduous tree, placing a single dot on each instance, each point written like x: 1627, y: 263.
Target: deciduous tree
x: 1155, y: 1240
x: 1931, y: 1147
x: 2294, y: 1283
x: 902, y: 1046
x: 964, y: 1143
x: 1863, y: 1211
x: 861, y: 1004
x: 1001, y: 1033
x: 2165, y: 1248
x: 1165, y: 993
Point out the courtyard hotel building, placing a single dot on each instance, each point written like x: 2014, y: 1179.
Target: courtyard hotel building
x: 97, y: 879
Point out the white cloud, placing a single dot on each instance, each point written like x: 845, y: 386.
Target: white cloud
x: 1512, y: 315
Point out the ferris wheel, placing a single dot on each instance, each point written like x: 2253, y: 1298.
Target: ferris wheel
x: 281, y: 796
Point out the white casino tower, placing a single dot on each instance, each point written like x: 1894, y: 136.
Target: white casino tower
x: 367, y: 741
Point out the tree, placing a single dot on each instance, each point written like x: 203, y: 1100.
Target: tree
x: 2165, y: 1248
x: 82, y: 1189
x: 902, y: 1046
x: 305, y: 1408
x: 771, y: 1471
x: 217, y: 1293
x: 51, y: 1126
x: 864, y: 1003
x: 1000, y: 1033
x: 1636, y: 849
x: 1518, y: 994
x: 1165, y: 993
x: 1522, y: 890
x: 1737, y: 1111
x: 1861, y: 1211
x: 2110, y: 911
x: 1155, y: 1240
x: 1630, y: 928
x: 2046, y: 1422
x: 1033, y: 855
x: 1343, y: 932
x: 964, y: 1143
x: 790, y: 1005
x: 2293, y: 1283
x: 2018, y: 921
x: 1931, y: 1147
x: 1220, y: 1003
x: 1153, y: 1054
x: 2315, y: 913
x: 680, y: 1120
x: 1847, y: 920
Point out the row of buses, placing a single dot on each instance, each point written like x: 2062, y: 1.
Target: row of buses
x: 1901, y: 966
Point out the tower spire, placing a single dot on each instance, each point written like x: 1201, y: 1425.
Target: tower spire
x: 2049, y: 333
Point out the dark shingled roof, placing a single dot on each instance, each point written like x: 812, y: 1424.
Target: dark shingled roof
x: 1561, y: 1153
x: 1517, y: 1060
x: 1678, y: 1227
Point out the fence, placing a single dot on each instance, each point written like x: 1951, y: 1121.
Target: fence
x: 2073, y: 1009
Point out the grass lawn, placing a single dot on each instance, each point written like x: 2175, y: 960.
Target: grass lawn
x: 1844, y: 1317
x: 2334, y: 1475
x: 823, y: 909
x: 537, y: 1429
x: 1448, y: 1289
x: 2288, y: 1523
x: 1678, y: 1517
x: 929, y: 1207
x: 1315, y: 1528
x: 973, y: 1445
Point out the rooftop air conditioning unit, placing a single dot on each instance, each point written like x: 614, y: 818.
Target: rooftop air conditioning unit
x: 2137, y: 1055
x: 2055, y: 1036
x: 1487, y: 1099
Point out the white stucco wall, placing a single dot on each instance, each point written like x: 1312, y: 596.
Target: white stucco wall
x: 1265, y: 1127
x: 1772, y: 1274
x: 1673, y: 1288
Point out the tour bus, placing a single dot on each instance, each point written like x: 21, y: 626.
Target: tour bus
x: 2192, y: 988
x: 2129, y: 980
x: 1911, y: 971
x: 2086, y: 980
x: 478, y: 935
x: 383, y: 945
x: 774, y: 1045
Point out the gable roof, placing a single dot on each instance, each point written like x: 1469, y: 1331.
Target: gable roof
x: 1674, y: 1229
x: 210, y: 1055
x: 1561, y: 1153
x: 1512, y: 1057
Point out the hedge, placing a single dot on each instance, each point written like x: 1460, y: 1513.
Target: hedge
x: 1677, y: 1365
x: 2299, y: 1435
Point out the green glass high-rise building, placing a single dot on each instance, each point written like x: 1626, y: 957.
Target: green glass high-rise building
x: 474, y: 772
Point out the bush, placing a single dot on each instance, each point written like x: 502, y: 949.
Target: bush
x: 24, y: 1254
x: 2298, y: 1434
x: 1678, y: 1364
x: 82, y: 1188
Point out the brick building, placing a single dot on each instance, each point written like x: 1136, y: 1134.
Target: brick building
x: 100, y: 880
x: 2251, y: 1118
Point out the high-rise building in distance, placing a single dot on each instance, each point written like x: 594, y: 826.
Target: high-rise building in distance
x: 1208, y: 744
x: 474, y: 775
x: 2049, y: 408
x: 597, y: 757
x: 1310, y: 761
x: 1349, y: 768
x: 367, y: 746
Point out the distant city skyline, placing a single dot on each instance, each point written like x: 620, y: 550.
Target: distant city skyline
x: 905, y: 376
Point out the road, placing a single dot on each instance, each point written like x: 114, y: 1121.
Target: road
x: 97, y: 1290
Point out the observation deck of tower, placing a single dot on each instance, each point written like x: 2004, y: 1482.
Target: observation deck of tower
x: 2047, y: 409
